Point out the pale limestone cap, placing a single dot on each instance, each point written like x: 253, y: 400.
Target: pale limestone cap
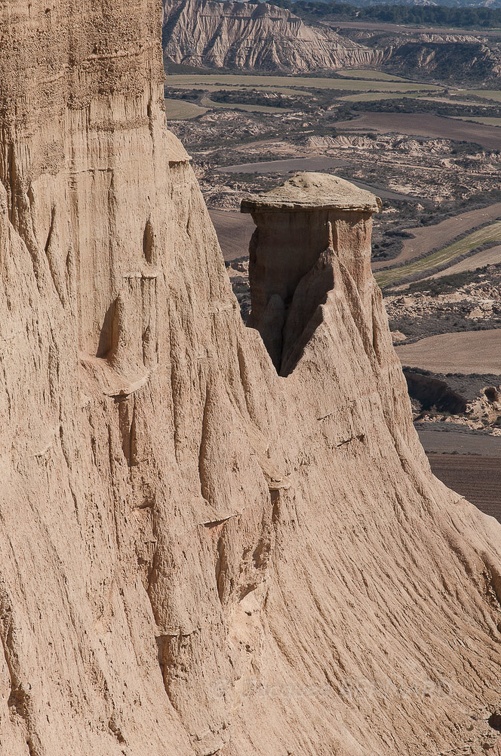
x: 313, y: 191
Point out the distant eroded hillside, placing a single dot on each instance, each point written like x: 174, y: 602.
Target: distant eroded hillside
x: 206, y: 33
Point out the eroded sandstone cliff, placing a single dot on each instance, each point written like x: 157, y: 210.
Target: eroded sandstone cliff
x: 200, y: 556
x: 253, y: 37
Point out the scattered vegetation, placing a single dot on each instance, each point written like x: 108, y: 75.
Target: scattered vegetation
x: 277, y: 100
x: 429, y: 15
x: 485, y: 94
x: 444, y: 285
x: 382, y: 103
x: 248, y: 107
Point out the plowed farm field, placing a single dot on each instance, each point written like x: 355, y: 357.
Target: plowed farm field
x: 416, y: 124
x: 478, y: 479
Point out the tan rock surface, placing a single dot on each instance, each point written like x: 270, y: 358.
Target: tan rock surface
x: 313, y: 190
x: 199, y: 556
x: 254, y: 37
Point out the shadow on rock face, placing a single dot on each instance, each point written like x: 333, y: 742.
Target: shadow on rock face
x: 432, y: 392
x: 304, y: 313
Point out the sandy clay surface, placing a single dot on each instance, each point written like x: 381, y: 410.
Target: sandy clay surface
x: 466, y: 352
x: 430, y: 126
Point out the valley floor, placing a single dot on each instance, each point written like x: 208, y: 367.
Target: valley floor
x: 438, y: 175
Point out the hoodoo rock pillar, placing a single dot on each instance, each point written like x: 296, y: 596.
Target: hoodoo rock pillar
x: 305, y: 228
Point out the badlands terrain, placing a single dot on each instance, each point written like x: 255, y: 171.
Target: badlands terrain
x: 428, y: 145
x: 316, y: 37
x: 214, y: 542
x: 252, y: 37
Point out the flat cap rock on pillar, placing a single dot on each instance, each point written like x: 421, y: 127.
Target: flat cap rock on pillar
x: 301, y: 227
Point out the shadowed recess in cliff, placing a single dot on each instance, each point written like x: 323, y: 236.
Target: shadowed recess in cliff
x: 432, y: 392
x: 304, y: 227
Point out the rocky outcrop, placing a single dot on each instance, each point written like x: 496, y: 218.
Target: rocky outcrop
x: 447, y: 59
x: 199, y: 556
x: 442, y: 56
x: 307, y: 230
x: 250, y: 37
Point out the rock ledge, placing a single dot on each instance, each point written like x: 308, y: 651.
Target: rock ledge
x: 316, y: 191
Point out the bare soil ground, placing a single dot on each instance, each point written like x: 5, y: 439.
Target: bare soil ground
x: 234, y: 231
x: 467, y: 462
x: 414, y: 124
x: 478, y: 479
x: 182, y: 110
x: 481, y: 119
x: 427, y: 238
x: 442, y: 441
x: 466, y: 352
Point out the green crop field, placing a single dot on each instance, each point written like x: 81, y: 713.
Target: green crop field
x: 360, y: 73
x: 487, y: 234
x: 180, y: 110
x: 194, y: 81
x: 207, y: 103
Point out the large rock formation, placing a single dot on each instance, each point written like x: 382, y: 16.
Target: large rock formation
x: 200, y: 556
x: 253, y: 37
x: 443, y: 56
x: 306, y: 229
